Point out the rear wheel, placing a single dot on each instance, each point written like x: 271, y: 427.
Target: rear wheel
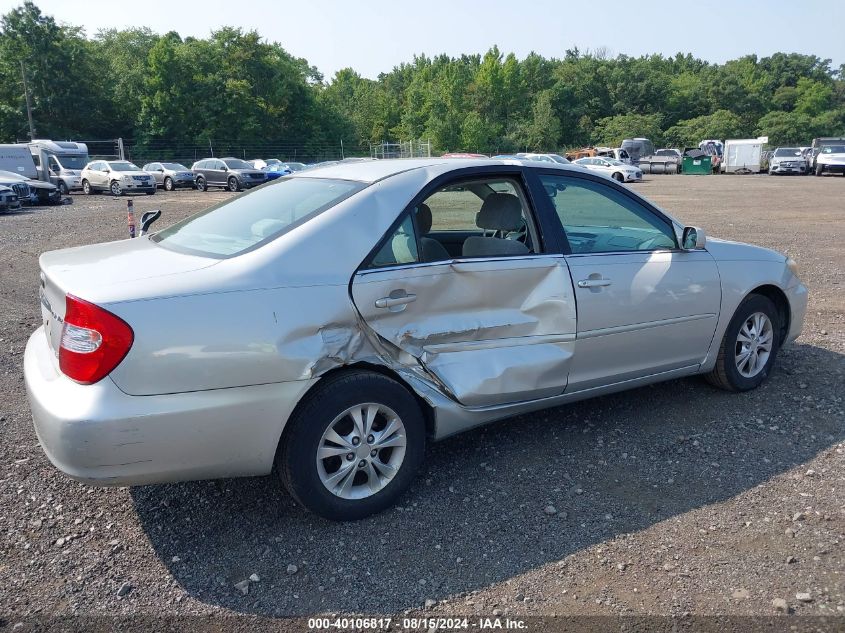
x: 201, y: 184
x: 749, y: 347
x: 353, y: 446
x: 233, y: 184
x: 618, y: 177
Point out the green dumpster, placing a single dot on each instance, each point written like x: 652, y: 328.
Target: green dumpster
x: 698, y: 166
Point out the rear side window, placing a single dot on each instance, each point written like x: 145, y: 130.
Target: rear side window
x: 255, y: 218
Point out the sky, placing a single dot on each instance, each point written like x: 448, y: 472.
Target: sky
x: 373, y: 36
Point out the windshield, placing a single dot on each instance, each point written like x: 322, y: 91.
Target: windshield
x: 834, y: 149
x: 73, y: 161
x: 273, y: 161
x: 10, y: 175
x: 124, y: 166
x: 665, y: 152
x: 613, y: 161
x: 559, y: 159
x: 250, y: 220
x: 787, y: 151
x: 237, y: 163
x: 295, y: 166
x: 175, y: 167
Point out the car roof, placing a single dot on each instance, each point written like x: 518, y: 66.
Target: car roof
x: 370, y: 171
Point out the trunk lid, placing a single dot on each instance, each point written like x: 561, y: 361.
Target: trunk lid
x: 101, y: 272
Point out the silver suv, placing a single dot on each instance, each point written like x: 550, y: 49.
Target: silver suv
x: 233, y: 174
x: 787, y: 160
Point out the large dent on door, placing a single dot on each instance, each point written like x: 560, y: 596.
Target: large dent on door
x: 486, y: 332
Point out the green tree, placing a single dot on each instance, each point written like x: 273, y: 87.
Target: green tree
x: 613, y: 130
x: 722, y: 124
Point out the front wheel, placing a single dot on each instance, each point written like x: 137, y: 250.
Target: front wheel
x: 168, y: 184
x: 233, y: 184
x: 819, y: 170
x: 151, y: 192
x: 749, y: 347
x: 86, y: 188
x: 115, y: 188
x: 201, y: 185
x: 353, y: 446
x: 618, y: 177
x: 63, y: 188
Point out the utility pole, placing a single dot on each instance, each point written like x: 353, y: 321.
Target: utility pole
x: 28, y: 104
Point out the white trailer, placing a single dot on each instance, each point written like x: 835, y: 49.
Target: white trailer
x: 743, y: 156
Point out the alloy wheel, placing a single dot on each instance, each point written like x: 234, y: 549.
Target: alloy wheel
x: 753, y: 345
x: 361, y: 451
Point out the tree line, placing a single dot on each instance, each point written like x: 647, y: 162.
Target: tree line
x: 169, y: 91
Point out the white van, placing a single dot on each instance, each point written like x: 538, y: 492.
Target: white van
x: 64, y: 161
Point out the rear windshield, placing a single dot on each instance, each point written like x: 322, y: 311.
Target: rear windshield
x: 255, y: 218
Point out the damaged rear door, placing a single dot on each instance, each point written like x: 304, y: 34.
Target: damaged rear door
x: 492, y: 325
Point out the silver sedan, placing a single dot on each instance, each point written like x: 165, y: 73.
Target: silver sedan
x: 333, y: 322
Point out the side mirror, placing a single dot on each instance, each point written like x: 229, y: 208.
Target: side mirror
x: 147, y: 219
x: 693, y: 238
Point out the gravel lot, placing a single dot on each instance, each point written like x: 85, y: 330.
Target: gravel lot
x: 667, y: 500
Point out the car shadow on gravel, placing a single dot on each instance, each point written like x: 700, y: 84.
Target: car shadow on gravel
x: 476, y: 516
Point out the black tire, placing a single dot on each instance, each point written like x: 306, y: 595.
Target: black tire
x: 819, y: 170
x: 296, y: 456
x: 151, y: 192
x: 115, y: 189
x: 168, y: 184
x: 201, y: 184
x: 87, y: 189
x: 725, y: 374
x: 233, y: 185
x: 618, y: 177
x: 63, y: 188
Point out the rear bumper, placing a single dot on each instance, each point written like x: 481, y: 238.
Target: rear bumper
x: 100, y: 435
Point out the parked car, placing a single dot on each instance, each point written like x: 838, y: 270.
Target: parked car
x: 820, y: 143
x: 293, y: 166
x: 543, y: 158
x: 9, y: 200
x: 613, y: 168
x: 60, y: 162
x: 831, y: 160
x: 336, y: 321
x: 171, y: 176
x: 612, y: 152
x: 787, y: 160
x: 31, y: 191
x: 233, y: 174
x: 117, y: 176
x: 638, y: 148
x: 463, y: 155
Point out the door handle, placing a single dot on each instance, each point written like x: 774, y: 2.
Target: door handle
x: 594, y: 283
x: 392, y: 302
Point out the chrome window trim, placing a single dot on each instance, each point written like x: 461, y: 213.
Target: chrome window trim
x: 461, y: 260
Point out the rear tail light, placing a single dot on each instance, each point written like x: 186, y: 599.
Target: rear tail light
x: 94, y: 341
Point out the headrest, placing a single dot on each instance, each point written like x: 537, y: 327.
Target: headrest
x: 500, y: 212
x: 423, y: 218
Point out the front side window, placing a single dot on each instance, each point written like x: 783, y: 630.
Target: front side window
x: 255, y: 218
x: 598, y: 219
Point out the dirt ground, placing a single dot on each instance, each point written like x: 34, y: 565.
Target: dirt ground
x: 676, y: 499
